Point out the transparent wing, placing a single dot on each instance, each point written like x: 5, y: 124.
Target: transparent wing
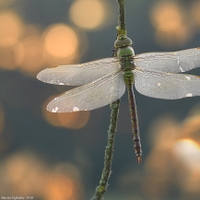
x: 93, y: 95
x: 179, y: 61
x: 166, y: 85
x: 79, y: 74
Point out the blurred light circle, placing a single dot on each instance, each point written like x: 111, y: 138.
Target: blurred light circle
x: 62, y: 185
x: 169, y: 20
x: 188, y: 151
x: 166, y: 16
x: 11, y: 57
x: 60, y: 41
x: 88, y: 14
x: 33, y: 59
x: 74, y: 120
x: 34, y: 172
x: 78, y: 119
x: 68, y: 120
x: 195, y: 13
x: 10, y: 28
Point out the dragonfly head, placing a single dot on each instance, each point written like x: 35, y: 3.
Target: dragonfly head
x: 122, y: 41
x: 123, y: 46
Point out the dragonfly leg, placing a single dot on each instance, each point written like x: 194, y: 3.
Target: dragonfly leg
x: 134, y: 122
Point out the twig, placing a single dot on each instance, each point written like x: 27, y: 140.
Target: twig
x: 121, y: 19
x: 103, y: 183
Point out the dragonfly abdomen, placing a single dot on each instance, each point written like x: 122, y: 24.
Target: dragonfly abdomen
x: 128, y: 77
x: 134, y: 121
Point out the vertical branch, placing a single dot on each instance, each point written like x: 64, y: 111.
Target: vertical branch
x: 121, y: 19
x: 103, y: 183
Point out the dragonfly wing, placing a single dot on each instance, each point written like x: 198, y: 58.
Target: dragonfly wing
x: 166, y: 85
x: 79, y: 74
x: 90, y: 96
x: 179, y: 61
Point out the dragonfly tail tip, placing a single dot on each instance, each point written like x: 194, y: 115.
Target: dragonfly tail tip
x: 139, y: 159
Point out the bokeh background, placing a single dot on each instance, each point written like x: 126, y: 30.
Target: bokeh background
x: 47, y: 156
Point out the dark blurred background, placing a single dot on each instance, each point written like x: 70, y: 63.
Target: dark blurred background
x: 45, y: 156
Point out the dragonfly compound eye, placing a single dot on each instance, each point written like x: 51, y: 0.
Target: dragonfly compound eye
x: 122, y: 41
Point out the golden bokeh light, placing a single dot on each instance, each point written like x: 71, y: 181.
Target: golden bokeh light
x: 11, y: 57
x: 169, y: 20
x: 26, y: 48
x: 177, y: 163
x: 74, y: 120
x: 63, y: 183
x: 60, y: 187
x: 10, y: 29
x: 75, y: 58
x: 195, y: 13
x: 160, y: 136
x: 33, y: 51
x: 88, y: 14
x: 25, y: 174
x: 61, y: 41
x: 166, y: 16
x: 188, y: 151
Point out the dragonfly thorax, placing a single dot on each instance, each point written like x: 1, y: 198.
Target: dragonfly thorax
x: 125, y: 51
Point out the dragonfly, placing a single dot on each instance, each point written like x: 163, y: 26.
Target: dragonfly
x: 103, y: 81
